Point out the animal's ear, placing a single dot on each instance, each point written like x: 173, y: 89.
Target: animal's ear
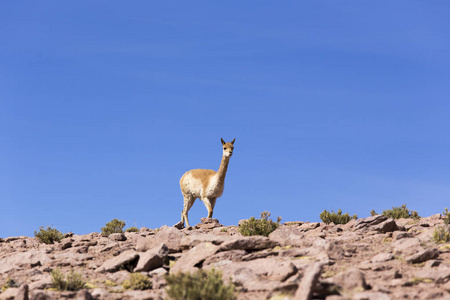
x: 223, y: 142
x: 232, y: 142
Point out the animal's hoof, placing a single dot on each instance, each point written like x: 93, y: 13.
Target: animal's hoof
x: 179, y: 225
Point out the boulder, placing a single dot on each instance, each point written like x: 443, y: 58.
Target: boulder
x: 387, y: 226
x: 152, y: 259
x: 251, y: 243
x: 188, y: 261
x: 167, y: 235
x: 308, y: 282
x: 124, y: 260
x: 29, y: 259
x: 351, y: 279
x: 366, y: 224
x: 423, y: 255
x: 117, y: 237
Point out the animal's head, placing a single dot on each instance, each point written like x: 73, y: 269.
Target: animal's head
x: 227, y: 148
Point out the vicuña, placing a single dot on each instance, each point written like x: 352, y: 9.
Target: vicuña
x: 205, y: 184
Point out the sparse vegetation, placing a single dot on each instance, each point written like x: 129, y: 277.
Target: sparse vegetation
x: 137, y: 281
x: 373, y: 213
x: 336, y: 217
x: 446, y: 216
x: 224, y: 229
x: 8, y: 284
x: 72, y: 282
x: 263, y: 226
x: 49, y: 235
x: 401, y: 212
x: 199, y: 285
x: 132, y: 229
x: 441, y: 234
x: 114, y: 226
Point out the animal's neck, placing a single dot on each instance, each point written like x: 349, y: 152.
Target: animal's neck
x: 223, y: 169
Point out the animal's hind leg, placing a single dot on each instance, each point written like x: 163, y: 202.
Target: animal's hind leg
x: 188, y: 202
x: 209, y: 203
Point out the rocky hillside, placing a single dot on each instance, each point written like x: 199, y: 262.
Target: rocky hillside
x: 371, y: 258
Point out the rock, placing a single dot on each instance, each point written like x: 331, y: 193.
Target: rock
x: 248, y: 243
x: 382, y: 257
x: 167, y: 235
x: 189, y: 260
x: 208, y: 223
x: 232, y: 255
x: 117, y: 237
x: 423, y: 255
x: 366, y: 223
x: 289, y: 236
x: 191, y: 241
x: 438, y: 275
x: 42, y: 284
x: 308, y: 282
x: 406, y: 246
x: 179, y: 225
x: 158, y: 272
x: 368, y: 295
x: 9, y: 294
x: 29, y: 259
x: 282, y: 272
x: 387, y: 226
x: 397, y: 235
x: 124, y: 260
x: 351, y: 279
x: 152, y: 259
x: 100, y: 293
x: 22, y: 293
x: 83, y: 295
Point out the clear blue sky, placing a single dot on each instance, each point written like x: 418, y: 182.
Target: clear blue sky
x: 334, y: 104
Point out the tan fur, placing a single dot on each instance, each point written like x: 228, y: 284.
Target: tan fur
x: 207, y: 185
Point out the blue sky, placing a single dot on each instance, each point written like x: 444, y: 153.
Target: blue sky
x: 104, y: 105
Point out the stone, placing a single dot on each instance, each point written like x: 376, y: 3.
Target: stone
x: 152, y: 259
x: 423, y: 255
x: 179, y: 225
x: 9, y: 294
x: 123, y: 260
x: 309, y: 282
x: 366, y: 223
x: 42, y: 284
x: 382, y: 257
x: 369, y: 295
x: 117, y: 237
x: 406, y: 245
x: 386, y: 226
x: 289, y: 236
x: 167, y: 235
x: 191, y: 241
x: 397, y: 235
x: 232, y: 255
x: 188, y: 261
x: 351, y: 279
x: 248, y: 243
x: 208, y: 223
x: 100, y: 293
x: 22, y: 293
x: 29, y: 259
x: 83, y: 295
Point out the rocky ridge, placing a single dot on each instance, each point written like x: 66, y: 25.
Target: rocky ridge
x: 370, y: 258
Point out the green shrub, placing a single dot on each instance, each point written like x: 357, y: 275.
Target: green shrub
x: 336, y: 218
x: 132, y: 229
x: 200, y: 285
x: 401, y: 212
x: 137, y: 281
x: 263, y: 226
x: 441, y: 234
x: 446, y: 217
x: 373, y: 213
x: 72, y: 282
x: 114, y: 226
x: 49, y: 235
